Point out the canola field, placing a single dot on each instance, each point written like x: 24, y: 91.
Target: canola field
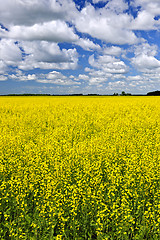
x: 79, y: 168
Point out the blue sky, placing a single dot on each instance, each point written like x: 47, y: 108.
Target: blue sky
x: 80, y: 46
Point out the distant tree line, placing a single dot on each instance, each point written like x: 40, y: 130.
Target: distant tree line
x: 28, y: 94
x: 123, y: 93
x: 155, y: 93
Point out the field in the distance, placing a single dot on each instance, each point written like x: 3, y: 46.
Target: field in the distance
x: 79, y: 168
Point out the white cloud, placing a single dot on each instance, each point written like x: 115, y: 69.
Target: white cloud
x: 22, y: 77
x: 53, y: 77
x: 10, y: 53
x: 55, y: 31
x: 3, y: 67
x: 87, y: 44
x: 114, y: 51
x: 118, y: 6
x: 97, y: 1
x: 145, y: 63
x: 134, y: 78
x: 154, y: 76
x: 146, y: 16
x: 144, y: 21
x: 118, y: 76
x: 118, y: 85
x: 44, y: 52
x: 99, y: 73
x: 145, y: 60
x: 97, y: 77
x: 150, y: 6
x: 46, y: 55
x: 31, y: 77
x: 71, y: 76
x: 105, y: 24
x: 87, y: 69
x: 57, y: 78
x: 29, y: 12
x: 114, y: 5
x: 37, y: 54
x: 83, y: 76
x: 3, y: 78
x: 145, y: 48
x: 46, y: 20
x: 108, y: 64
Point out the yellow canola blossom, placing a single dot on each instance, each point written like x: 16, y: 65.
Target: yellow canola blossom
x: 79, y: 168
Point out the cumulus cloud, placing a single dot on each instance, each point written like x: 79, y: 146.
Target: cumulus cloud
x: 98, y: 77
x: 137, y: 86
x: 144, y: 59
x: 43, y: 51
x: 3, y: 78
x: 87, y: 69
x: 134, y: 78
x: 97, y: 1
x: 10, y: 55
x: 144, y: 21
x: 147, y: 49
x: 118, y: 76
x: 9, y: 52
x: 145, y: 63
x: 114, y: 5
x: 146, y: 18
x: 29, y: 12
x: 3, y: 67
x: 54, y: 31
x: 37, y: 54
x: 150, y: 6
x: 46, y: 20
x: 53, y: 77
x: 22, y: 77
x: 83, y: 77
x: 87, y: 44
x: 118, y: 86
x: 57, y: 78
x: 106, y: 25
x: 114, y: 50
x: 108, y: 64
x: 118, y: 6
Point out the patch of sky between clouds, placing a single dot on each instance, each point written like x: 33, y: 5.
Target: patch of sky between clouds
x: 80, y: 4
x: 132, y: 9
x: 3, y: 27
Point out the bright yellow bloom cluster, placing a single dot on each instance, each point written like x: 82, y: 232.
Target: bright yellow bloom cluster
x: 79, y: 168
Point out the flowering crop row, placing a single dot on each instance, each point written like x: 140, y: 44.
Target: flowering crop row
x: 79, y: 168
